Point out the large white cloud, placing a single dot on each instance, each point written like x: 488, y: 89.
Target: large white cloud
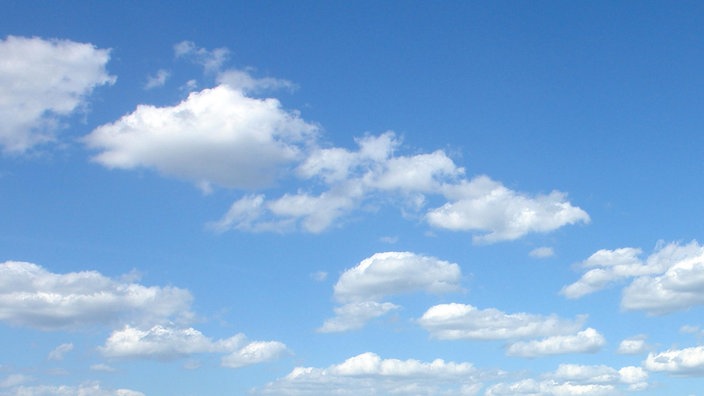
x: 166, y: 342
x: 32, y: 296
x: 217, y: 135
x: 670, y: 279
x: 362, y: 287
x: 686, y: 361
x: 390, y: 273
x: 574, y: 379
x: 369, y: 374
x: 464, y: 322
x: 586, y: 341
x: 485, y: 205
x: 42, y: 81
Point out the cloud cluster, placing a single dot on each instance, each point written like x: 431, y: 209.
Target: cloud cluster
x: 42, y: 81
x: 165, y: 343
x: 573, y: 379
x: 670, y: 279
x: 369, y: 374
x: 362, y: 287
x: 152, y: 319
x: 34, y: 297
x: 464, y: 322
x: 686, y: 361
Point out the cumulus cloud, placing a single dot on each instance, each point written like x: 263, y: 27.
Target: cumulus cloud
x: 42, y: 81
x: 464, y: 322
x: 34, y: 297
x: 391, y: 273
x: 485, y: 205
x: 225, y: 137
x: 59, y: 352
x: 686, y: 361
x: 217, y: 135
x: 585, y: 341
x: 670, y: 279
x: 573, y: 379
x: 369, y: 374
x: 166, y: 343
x: 384, y: 274
x: 632, y: 345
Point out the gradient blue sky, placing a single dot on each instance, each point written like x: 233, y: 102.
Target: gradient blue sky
x: 364, y: 198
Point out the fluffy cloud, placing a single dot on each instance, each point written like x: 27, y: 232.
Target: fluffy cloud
x: 670, y: 279
x: 573, y: 379
x: 585, y: 341
x: 482, y: 204
x: 42, y: 81
x: 465, y: 322
x: 632, y: 346
x: 165, y: 343
x: 217, y: 135
x: 369, y: 374
x: 382, y: 275
x: 32, y: 296
x: 396, y: 272
x: 687, y: 361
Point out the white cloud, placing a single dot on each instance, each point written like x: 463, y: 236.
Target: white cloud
x: 166, y: 343
x: 217, y: 135
x: 32, y: 296
x: 670, y: 279
x: 391, y: 273
x: 211, y: 60
x: 465, y: 322
x: 382, y: 275
x: 86, y: 389
x: 42, y: 81
x: 157, y: 80
x: 687, y: 361
x: 243, y: 81
x: 102, y: 367
x: 255, y: 352
x: 632, y: 345
x: 542, y: 252
x: 59, y: 352
x: 369, y: 374
x: 355, y: 315
x: 585, y: 341
x: 482, y: 204
x: 573, y: 379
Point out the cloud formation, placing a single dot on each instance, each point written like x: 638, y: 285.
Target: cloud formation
x: 686, y: 361
x: 167, y: 343
x: 42, y: 81
x: 369, y: 374
x: 585, y: 341
x: 670, y: 279
x: 34, y: 297
x: 217, y: 135
x: 574, y: 379
x: 362, y: 287
x: 86, y: 389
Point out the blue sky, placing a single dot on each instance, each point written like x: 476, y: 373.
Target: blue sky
x: 328, y: 198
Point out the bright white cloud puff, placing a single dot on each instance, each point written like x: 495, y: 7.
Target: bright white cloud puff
x: 362, y: 287
x: 166, y: 343
x: 670, y: 279
x: 42, y: 81
x: 686, y: 361
x: 369, y: 374
x: 34, y: 297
